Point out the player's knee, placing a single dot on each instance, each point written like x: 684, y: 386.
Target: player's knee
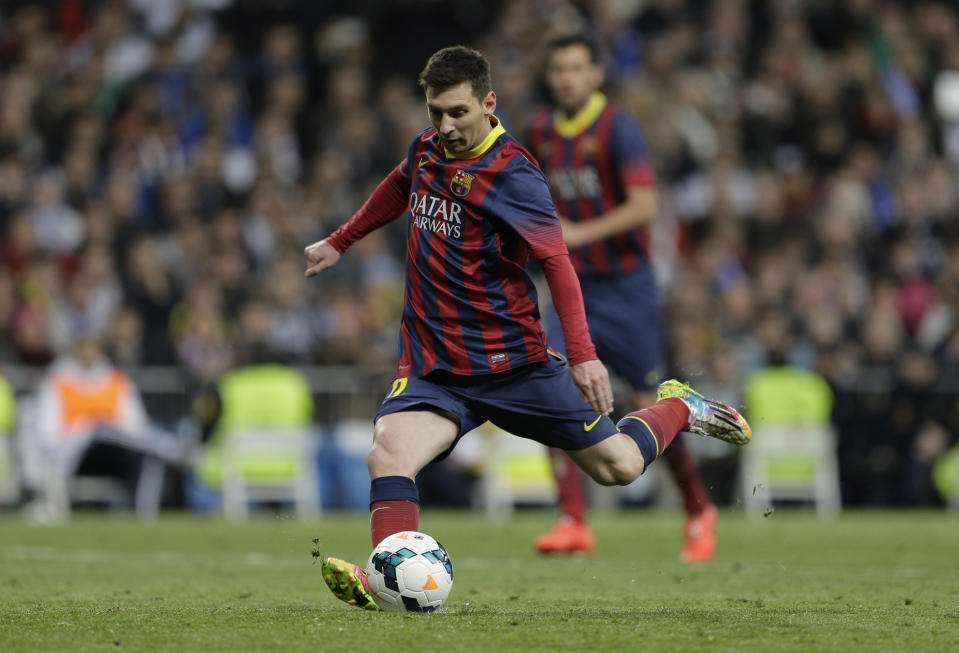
x: 381, y: 452
x: 616, y: 472
x: 625, y: 470
x: 386, y: 455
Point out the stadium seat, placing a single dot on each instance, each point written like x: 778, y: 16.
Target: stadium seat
x: 264, y: 448
x: 516, y: 471
x: 792, y: 455
x: 945, y: 477
x: 58, y: 484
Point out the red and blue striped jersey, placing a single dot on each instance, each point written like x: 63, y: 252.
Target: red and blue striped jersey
x: 474, y: 219
x: 590, y: 161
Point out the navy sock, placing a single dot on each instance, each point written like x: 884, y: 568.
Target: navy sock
x: 393, y: 488
x: 394, y: 507
x: 642, y: 434
x: 655, y: 427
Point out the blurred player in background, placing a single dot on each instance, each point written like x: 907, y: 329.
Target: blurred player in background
x: 472, y: 348
x: 594, y: 157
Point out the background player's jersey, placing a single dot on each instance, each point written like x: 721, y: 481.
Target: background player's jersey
x: 590, y: 161
x: 470, y: 307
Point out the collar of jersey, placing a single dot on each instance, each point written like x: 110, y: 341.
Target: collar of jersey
x: 495, y: 133
x: 572, y: 127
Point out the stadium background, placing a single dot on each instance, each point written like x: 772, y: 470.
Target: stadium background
x: 163, y: 164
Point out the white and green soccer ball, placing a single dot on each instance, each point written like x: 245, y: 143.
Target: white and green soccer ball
x: 409, y: 572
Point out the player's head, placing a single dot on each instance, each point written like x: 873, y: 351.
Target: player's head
x: 573, y: 72
x: 459, y: 96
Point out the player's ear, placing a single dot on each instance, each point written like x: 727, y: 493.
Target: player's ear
x: 489, y: 104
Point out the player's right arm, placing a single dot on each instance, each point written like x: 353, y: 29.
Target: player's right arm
x: 320, y: 256
x: 387, y: 203
x: 636, y: 211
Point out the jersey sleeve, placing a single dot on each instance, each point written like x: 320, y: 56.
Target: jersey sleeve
x: 629, y: 150
x: 568, y: 301
x: 386, y: 203
x: 524, y: 203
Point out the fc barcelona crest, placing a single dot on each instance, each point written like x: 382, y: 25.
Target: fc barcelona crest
x: 462, y: 182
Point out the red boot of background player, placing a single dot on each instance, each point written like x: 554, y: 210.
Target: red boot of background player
x: 566, y: 536
x: 699, y: 536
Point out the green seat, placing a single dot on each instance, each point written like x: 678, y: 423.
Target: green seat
x: 8, y: 417
x: 945, y: 476
x: 262, y: 447
x: 792, y: 455
x: 788, y: 395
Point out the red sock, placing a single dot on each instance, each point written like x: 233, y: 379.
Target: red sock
x: 665, y: 419
x: 690, y: 483
x: 569, y: 481
x: 388, y: 517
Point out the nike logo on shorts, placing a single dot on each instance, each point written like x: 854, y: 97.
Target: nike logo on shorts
x: 589, y: 427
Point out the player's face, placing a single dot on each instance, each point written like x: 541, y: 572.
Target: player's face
x: 461, y: 119
x: 572, y: 76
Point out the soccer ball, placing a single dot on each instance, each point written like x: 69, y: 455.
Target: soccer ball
x: 409, y: 572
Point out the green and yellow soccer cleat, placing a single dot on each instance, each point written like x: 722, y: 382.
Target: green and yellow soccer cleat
x: 707, y: 417
x: 348, y: 583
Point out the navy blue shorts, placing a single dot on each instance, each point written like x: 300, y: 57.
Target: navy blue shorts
x: 537, y: 401
x: 625, y: 324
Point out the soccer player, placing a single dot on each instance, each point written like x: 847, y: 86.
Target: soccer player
x: 471, y: 346
x: 594, y: 158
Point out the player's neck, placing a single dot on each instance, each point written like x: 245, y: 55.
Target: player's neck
x: 488, y: 126
x: 573, y: 110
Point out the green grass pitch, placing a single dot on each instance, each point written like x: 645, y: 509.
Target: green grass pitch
x: 882, y: 581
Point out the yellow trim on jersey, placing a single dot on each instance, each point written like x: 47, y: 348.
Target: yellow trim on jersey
x: 495, y: 133
x: 650, y: 431
x: 572, y: 127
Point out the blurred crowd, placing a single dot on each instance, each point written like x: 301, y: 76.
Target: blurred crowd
x: 164, y: 162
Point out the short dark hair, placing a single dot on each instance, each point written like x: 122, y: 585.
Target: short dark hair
x: 454, y: 65
x: 569, y: 40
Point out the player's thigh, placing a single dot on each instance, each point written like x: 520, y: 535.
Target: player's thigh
x: 419, y: 420
x: 626, y: 326
x: 541, y: 402
x: 405, y: 442
x: 613, y: 461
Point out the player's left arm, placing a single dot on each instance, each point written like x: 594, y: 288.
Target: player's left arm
x: 628, y: 158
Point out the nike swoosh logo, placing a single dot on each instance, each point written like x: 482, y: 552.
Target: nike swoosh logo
x: 589, y: 427
x: 423, y: 162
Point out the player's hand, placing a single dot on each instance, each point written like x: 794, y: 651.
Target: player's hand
x: 574, y: 234
x: 592, y: 379
x: 319, y: 256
